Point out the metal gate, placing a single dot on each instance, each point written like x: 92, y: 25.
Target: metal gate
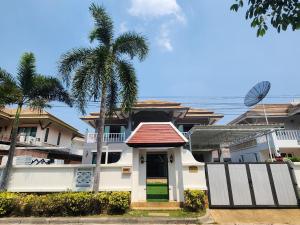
x: 251, y: 185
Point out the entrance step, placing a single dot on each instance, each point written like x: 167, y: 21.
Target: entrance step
x: 155, y: 205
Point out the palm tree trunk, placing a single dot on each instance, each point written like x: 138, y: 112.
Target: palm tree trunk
x: 100, y: 128
x: 8, y: 167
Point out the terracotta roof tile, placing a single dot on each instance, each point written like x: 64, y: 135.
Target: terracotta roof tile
x: 155, y: 134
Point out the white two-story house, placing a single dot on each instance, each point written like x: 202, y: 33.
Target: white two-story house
x: 284, y: 138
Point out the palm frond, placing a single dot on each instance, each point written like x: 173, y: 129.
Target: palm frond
x: 103, y: 31
x: 112, y: 95
x: 48, y: 89
x: 132, y: 44
x: 71, y: 60
x: 9, y: 91
x: 26, y: 72
x: 38, y: 104
x: 128, y: 83
x: 97, y: 64
x: 81, y: 86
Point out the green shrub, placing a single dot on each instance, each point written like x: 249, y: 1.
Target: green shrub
x: 118, y: 202
x: 294, y: 159
x: 8, y: 202
x: 100, y: 202
x: 63, y: 204
x: 194, y: 200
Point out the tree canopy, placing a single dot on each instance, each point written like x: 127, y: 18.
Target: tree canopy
x: 280, y: 14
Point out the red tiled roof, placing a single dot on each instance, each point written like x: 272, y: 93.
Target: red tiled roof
x: 156, y: 135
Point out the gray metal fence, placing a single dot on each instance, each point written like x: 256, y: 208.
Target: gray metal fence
x: 251, y: 185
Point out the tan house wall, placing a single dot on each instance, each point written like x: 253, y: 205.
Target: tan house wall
x: 65, y: 139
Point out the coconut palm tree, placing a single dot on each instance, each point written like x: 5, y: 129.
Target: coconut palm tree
x: 29, y: 89
x: 104, y: 73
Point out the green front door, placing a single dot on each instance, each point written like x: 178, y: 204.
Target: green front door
x: 157, y: 177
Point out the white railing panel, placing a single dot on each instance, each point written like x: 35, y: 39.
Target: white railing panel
x: 107, y: 137
x: 288, y: 134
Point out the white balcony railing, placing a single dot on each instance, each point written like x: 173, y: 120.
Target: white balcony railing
x: 26, y: 139
x: 288, y: 134
x: 114, y: 137
x: 107, y: 137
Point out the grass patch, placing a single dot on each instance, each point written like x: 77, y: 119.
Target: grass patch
x: 157, y: 192
x: 181, y: 213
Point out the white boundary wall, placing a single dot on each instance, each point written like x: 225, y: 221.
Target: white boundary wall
x: 296, y: 166
x: 58, y: 178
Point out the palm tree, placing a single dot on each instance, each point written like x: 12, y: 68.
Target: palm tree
x: 104, y: 73
x: 30, y: 89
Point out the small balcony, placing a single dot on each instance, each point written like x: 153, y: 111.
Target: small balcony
x: 288, y: 134
x: 113, y: 137
x: 29, y: 140
x: 107, y: 137
x: 23, y: 139
x: 287, y: 138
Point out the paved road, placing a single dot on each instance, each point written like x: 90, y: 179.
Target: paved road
x: 256, y: 216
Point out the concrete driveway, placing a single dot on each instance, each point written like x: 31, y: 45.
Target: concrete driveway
x: 256, y: 216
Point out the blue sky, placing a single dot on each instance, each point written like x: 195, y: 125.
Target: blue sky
x: 200, y: 51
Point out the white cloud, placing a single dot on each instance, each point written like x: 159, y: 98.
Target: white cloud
x: 164, y: 40
x: 156, y: 8
x: 170, y: 10
x: 123, y: 27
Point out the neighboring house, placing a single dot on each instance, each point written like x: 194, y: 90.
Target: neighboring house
x: 284, y: 138
x: 121, y: 125
x: 41, y: 137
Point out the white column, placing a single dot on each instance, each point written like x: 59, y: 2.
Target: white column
x: 176, y: 192
x: 138, y: 193
x: 275, y: 142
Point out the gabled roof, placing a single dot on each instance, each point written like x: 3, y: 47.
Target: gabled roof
x: 272, y: 110
x: 26, y: 113
x: 183, y: 113
x: 159, y: 134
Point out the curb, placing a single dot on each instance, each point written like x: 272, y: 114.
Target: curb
x: 102, y: 220
x: 207, y: 218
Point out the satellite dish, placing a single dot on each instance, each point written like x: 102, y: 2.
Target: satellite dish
x: 257, y: 93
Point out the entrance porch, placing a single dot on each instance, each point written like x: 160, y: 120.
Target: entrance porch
x: 157, y: 172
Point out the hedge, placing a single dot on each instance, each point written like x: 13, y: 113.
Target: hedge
x: 194, y: 200
x: 63, y: 204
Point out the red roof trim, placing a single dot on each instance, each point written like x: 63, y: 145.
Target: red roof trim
x: 156, y: 134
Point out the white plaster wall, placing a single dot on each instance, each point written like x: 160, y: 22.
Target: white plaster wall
x: 179, y: 174
x: 172, y: 176
x: 296, y: 166
x: 176, y: 191
x: 65, y: 139
x: 192, y: 180
x: 41, y: 179
x: 57, y: 178
x: 138, y: 176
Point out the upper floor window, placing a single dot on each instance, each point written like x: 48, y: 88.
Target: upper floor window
x: 185, y: 127
x: 58, y: 138
x: 28, y: 131
x: 114, y: 129
x: 46, y: 135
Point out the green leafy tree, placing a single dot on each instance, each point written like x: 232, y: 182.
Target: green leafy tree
x: 104, y: 73
x: 30, y: 89
x: 278, y: 13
